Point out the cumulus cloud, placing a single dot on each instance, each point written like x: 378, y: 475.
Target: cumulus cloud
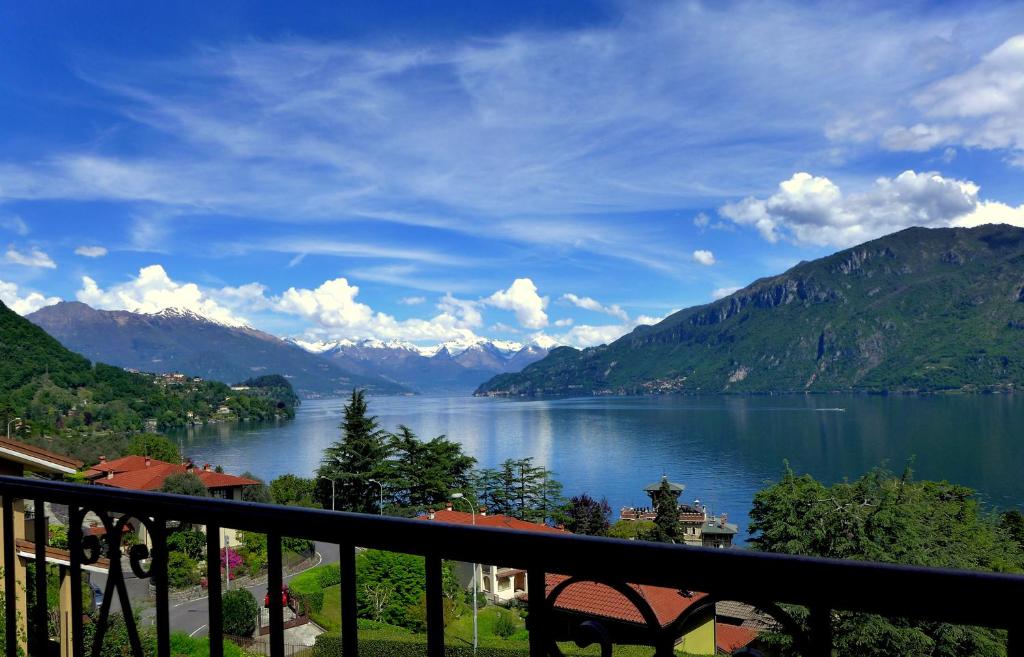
x: 91, y: 251
x: 152, y: 291
x: 979, y: 107
x: 23, y: 305
x: 588, y: 303
x: 721, y: 292
x: 703, y: 257
x: 813, y: 210
x: 562, y: 323
x: 521, y: 298
x: 15, y: 224
x: 586, y: 335
x: 33, y: 258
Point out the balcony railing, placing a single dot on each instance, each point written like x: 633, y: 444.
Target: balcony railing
x: 763, y: 580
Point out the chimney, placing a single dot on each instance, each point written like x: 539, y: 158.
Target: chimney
x: 206, y: 467
x: 430, y: 513
x: 147, y: 461
x: 483, y: 511
x: 103, y: 459
x: 189, y: 466
x: 448, y: 506
x: 110, y: 474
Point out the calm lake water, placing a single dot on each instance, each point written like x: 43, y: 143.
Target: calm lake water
x: 723, y: 448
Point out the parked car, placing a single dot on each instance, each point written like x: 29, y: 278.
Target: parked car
x: 285, y: 597
x: 97, y: 596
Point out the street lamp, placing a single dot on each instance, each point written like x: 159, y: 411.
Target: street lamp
x: 472, y: 513
x: 374, y: 481
x: 17, y: 419
x: 332, y: 489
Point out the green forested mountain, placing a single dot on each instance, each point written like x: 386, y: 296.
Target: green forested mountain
x: 56, y: 392
x: 918, y: 310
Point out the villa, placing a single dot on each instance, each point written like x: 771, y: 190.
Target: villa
x: 698, y: 526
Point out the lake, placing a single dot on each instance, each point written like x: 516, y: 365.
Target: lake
x: 724, y: 449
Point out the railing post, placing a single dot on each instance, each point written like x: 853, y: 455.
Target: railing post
x: 537, y: 620
x: 821, y: 631
x: 75, y: 573
x: 349, y: 625
x: 216, y: 625
x: 435, y: 607
x: 159, y: 561
x: 1015, y: 643
x: 10, y: 582
x: 41, y: 619
x: 274, y: 585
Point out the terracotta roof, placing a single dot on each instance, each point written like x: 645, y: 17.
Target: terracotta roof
x: 27, y: 549
x: 499, y: 521
x: 151, y: 477
x: 123, y: 464
x: 38, y: 454
x: 600, y: 600
x: 730, y: 638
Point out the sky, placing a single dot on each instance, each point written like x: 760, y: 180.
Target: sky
x: 450, y: 170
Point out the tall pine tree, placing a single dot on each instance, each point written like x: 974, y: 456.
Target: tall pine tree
x: 360, y: 455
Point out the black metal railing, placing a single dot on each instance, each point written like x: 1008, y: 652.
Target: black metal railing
x: 763, y: 580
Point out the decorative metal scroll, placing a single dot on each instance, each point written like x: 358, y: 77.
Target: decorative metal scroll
x: 93, y: 547
x: 663, y: 638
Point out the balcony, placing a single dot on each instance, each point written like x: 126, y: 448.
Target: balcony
x: 764, y: 580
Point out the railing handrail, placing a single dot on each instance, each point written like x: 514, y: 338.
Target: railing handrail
x: 953, y: 596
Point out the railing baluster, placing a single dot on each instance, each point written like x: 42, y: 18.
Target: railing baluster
x: 537, y: 620
x: 75, y: 573
x: 435, y: 607
x: 10, y: 582
x: 216, y: 631
x: 159, y: 560
x: 41, y: 618
x: 1015, y: 643
x: 821, y: 631
x: 274, y: 584
x: 349, y: 626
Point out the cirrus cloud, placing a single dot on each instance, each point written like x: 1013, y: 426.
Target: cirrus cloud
x: 34, y: 257
x: 91, y: 251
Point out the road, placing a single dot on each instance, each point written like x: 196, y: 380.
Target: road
x: 192, y: 616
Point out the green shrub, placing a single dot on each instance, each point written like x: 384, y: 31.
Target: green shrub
x: 181, y: 571
x: 238, y: 613
x: 329, y: 645
x: 297, y: 545
x: 327, y: 575
x: 505, y: 624
x: 190, y: 542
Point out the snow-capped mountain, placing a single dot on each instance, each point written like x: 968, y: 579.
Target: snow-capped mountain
x: 454, y: 365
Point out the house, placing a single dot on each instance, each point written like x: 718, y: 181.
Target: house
x: 18, y: 459
x: 501, y: 585
x: 696, y: 524
x: 148, y: 474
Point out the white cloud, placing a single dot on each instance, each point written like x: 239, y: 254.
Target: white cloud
x: 152, y: 291
x: 412, y: 301
x: 91, y: 251
x: 702, y: 220
x: 721, y: 292
x: 562, y: 323
x: 993, y: 212
x: 703, y: 257
x: 34, y: 258
x: 586, y: 335
x: 15, y: 224
x: 813, y: 210
x: 23, y: 305
x: 588, y: 303
x: 979, y: 107
x: 521, y: 297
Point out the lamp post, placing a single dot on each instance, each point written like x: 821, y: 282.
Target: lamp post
x: 332, y: 489
x: 374, y: 481
x: 17, y: 419
x: 227, y: 563
x: 472, y: 513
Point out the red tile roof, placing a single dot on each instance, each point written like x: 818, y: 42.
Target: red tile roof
x: 500, y: 521
x: 39, y: 454
x: 600, y: 600
x: 730, y: 638
x: 132, y: 473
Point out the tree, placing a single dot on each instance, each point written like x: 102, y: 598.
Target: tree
x: 189, y: 542
x: 666, y: 518
x: 185, y: 483
x: 292, y: 490
x: 887, y: 518
x: 425, y: 474
x: 257, y: 492
x: 360, y: 455
x: 585, y: 515
x: 238, y: 613
x: 154, y: 446
x: 521, y: 490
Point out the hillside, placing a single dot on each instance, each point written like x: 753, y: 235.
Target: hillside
x: 180, y: 341
x: 54, y: 391
x: 915, y: 311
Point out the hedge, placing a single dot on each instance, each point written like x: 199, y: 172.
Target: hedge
x: 329, y: 645
x: 308, y: 588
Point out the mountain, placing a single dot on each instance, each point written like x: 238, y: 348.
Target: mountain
x: 455, y: 366
x: 918, y: 310
x: 177, y: 340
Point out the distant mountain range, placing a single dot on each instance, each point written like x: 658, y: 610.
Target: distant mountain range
x: 458, y: 366
x: 918, y: 310
x: 181, y: 341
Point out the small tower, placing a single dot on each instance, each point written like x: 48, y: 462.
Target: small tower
x: 675, y: 489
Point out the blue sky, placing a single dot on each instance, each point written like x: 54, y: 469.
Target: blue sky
x: 435, y: 171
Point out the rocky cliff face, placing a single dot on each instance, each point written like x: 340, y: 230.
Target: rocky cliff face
x: 919, y: 310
